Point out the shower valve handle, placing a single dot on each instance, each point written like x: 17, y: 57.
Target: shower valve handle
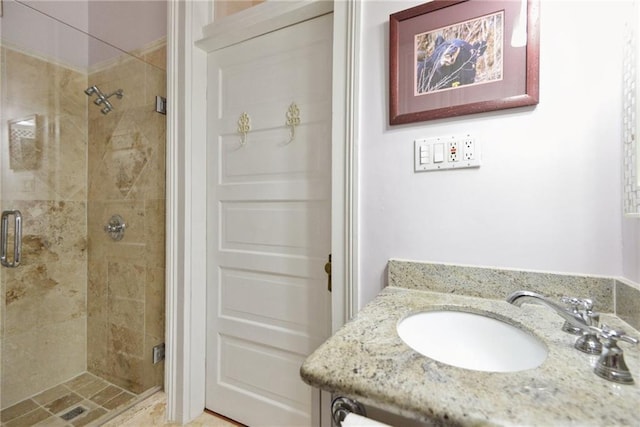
x: 115, y: 228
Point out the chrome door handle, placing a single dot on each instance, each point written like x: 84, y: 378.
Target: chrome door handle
x: 17, y: 240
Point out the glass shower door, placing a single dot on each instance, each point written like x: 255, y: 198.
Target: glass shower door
x: 80, y: 313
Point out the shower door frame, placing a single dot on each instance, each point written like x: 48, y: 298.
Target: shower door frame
x: 186, y: 186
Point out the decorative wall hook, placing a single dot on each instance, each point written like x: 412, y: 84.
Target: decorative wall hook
x: 293, y: 120
x: 244, y: 126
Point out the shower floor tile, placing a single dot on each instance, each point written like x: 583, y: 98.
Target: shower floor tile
x: 88, y: 396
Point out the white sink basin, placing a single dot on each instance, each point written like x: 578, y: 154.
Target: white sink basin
x: 471, y: 341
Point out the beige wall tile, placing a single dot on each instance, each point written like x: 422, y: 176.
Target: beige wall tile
x: 97, y: 290
x: 127, y: 175
x: 77, y: 290
x: 155, y: 303
x: 44, y: 328
x: 34, y: 86
x: 39, y: 359
x: 153, y: 374
x: 126, y: 313
x: 126, y: 340
x: 126, y: 280
x: 157, y: 57
x: 97, y: 341
x: 126, y: 371
x: 67, y: 260
x: 155, y: 221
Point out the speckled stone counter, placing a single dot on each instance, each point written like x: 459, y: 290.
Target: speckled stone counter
x: 367, y: 361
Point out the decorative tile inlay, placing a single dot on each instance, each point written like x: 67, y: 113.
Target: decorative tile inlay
x: 106, y: 394
x: 67, y: 404
x: 17, y: 410
x: 127, y: 157
x: 63, y: 403
x: 630, y: 123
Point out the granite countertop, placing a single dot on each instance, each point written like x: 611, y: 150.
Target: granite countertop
x: 367, y: 361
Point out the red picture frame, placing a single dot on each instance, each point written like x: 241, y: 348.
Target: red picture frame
x: 450, y: 58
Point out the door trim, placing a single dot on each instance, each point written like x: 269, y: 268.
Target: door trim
x: 345, y: 135
x: 186, y: 211
x: 186, y: 184
x: 259, y: 20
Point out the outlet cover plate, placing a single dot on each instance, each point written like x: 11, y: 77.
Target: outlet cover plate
x: 467, y: 153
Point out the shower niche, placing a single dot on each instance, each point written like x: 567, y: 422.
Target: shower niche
x: 24, y: 143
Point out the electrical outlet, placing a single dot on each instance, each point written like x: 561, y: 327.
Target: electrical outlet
x: 469, y: 150
x: 452, y: 151
x: 446, y: 152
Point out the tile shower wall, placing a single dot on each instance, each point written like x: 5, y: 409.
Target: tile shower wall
x: 125, y: 301
x: 43, y: 310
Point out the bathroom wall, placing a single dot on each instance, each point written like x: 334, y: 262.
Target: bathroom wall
x: 128, y: 24
x: 43, y: 301
x: 122, y: 23
x: 548, y: 194
x: 631, y: 249
x: 127, y: 177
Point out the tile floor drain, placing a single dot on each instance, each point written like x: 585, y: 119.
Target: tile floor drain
x: 73, y: 413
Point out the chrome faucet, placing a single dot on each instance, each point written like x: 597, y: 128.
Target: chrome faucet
x: 579, y: 322
x: 575, y: 304
x: 588, y: 341
x: 572, y: 317
x: 611, y: 365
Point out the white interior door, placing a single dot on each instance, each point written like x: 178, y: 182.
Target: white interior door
x: 269, y: 223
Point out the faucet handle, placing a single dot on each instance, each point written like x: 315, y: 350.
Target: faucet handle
x: 575, y: 305
x: 616, y: 335
x: 611, y: 365
x: 588, y: 341
x: 571, y: 302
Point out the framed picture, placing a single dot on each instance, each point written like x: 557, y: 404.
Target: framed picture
x: 450, y: 58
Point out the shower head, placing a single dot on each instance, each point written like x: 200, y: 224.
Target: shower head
x: 107, y: 105
x: 102, y: 99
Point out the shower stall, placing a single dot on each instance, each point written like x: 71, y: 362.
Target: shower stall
x: 82, y: 191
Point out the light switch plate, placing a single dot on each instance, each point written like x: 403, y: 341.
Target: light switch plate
x: 427, y: 154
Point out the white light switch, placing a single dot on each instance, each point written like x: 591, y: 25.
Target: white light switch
x: 438, y: 153
x: 429, y: 153
x: 424, y: 154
